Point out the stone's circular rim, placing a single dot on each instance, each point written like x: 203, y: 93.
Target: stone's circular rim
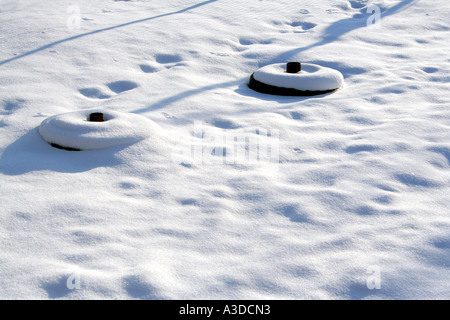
x: 312, y: 80
x: 281, y: 91
x: 74, y: 132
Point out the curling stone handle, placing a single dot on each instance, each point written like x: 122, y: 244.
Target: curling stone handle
x: 293, y: 67
x: 96, y: 117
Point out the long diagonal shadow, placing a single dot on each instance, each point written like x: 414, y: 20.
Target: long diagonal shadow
x: 331, y: 33
x: 50, y: 45
x: 339, y: 28
x: 162, y: 103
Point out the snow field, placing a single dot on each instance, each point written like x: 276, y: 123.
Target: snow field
x: 360, y: 190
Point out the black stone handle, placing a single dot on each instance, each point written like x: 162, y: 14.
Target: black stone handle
x: 96, y: 117
x: 293, y: 67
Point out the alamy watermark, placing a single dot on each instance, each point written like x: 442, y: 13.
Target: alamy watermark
x: 374, y: 21
x: 73, y: 21
x: 373, y: 280
x: 74, y: 281
x: 212, y: 146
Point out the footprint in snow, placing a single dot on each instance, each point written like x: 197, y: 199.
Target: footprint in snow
x: 383, y: 199
x: 223, y: 123
x: 94, y: 93
x: 115, y: 87
x: 295, y: 26
x: 188, y: 202
x: 430, y: 70
x: 332, y: 11
x: 360, y: 148
x: 361, y: 6
x: 296, y: 115
x: 413, y: 180
x: 358, y: 4
x: 122, y: 86
x: 253, y: 41
x: 303, y: 25
x: 162, y: 61
x: 300, y: 26
x: 168, y: 58
x: 146, y: 68
x: 10, y: 106
x: 139, y: 287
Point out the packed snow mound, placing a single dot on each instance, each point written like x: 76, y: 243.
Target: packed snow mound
x: 312, y: 79
x: 74, y: 131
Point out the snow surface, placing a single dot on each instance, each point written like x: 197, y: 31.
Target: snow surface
x: 357, y: 207
x: 311, y: 78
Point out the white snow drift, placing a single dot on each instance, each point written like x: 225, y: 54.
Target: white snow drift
x: 73, y: 130
x: 312, y: 77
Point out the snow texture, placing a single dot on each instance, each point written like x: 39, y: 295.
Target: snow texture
x: 311, y: 78
x: 352, y: 202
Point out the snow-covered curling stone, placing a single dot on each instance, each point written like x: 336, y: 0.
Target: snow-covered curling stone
x: 296, y: 79
x: 98, y: 129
